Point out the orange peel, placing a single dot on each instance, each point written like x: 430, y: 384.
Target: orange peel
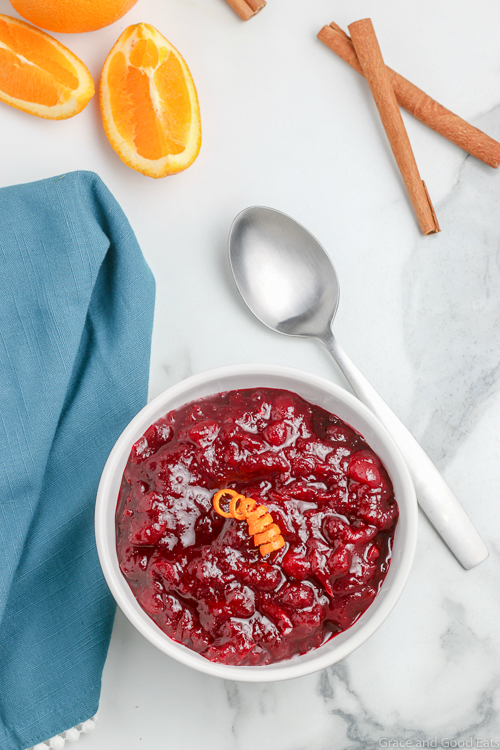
x: 38, y: 74
x: 266, y: 533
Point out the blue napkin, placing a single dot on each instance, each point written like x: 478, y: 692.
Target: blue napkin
x: 76, y: 313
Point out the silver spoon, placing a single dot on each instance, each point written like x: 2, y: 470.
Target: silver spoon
x: 287, y: 280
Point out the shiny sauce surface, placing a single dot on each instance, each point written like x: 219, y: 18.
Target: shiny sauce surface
x: 201, y: 578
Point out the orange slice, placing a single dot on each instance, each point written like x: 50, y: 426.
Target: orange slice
x: 72, y: 16
x: 149, y: 104
x: 38, y: 74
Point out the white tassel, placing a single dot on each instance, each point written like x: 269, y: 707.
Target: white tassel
x: 88, y: 726
x: 72, y: 735
x: 57, y: 742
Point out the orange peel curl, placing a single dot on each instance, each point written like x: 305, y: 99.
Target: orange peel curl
x: 267, y: 534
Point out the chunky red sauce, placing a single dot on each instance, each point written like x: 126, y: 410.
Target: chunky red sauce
x: 200, y: 577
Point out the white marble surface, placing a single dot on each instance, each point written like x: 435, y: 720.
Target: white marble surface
x: 286, y: 124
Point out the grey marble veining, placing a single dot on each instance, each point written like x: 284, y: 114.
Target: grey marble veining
x: 452, y: 309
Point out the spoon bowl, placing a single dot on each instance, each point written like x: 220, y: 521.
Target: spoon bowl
x: 283, y: 273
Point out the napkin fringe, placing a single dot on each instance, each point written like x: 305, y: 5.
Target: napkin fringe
x: 70, y: 735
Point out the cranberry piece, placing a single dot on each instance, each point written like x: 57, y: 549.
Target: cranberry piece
x: 321, y: 568
x: 168, y: 542
x: 283, y: 406
x: 363, y: 467
x: 371, y: 508
x: 208, y: 568
x: 185, y: 626
x: 307, y: 491
x: 133, y: 562
x: 151, y: 601
x: 296, y: 595
x: 207, y: 528
x: 200, y: 638
x: 265, y: 631
x: 159, y: 434
x: 240, y: 600
x: 350, y: 607
x: 261, y: 575
x: 204, y: 433
x: 213, y: 612
x: 140, y: 450
x: 164, y: 569
x: 251, y: 444
x: 276, y: 433
x: 235, y: 536
x: 228, y: 654
x: 296, y: 566
x: 339, y: 562
x: 336, y: 528
x: 309, y: 619
x: 151, y: 502
x: 242, y: 463
x: 173, y: 607
x: 278, y: 616
x: 357, y: 581
x: 146, y: 534
x: 372, y: 553
x: 337, y: 499
x: 303, y: 467
x: 155, y: 436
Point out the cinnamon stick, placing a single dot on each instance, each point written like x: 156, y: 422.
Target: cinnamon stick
x: 246, y: 8
x: 370, y: 58
x: 420, y: 104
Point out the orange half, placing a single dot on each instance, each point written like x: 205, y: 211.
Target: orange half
x: 149, y: 104
x: 38, y: 74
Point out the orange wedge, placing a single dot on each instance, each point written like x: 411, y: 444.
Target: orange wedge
x: 72, y: 16
x: 149, y: 104
x: 39, y: 75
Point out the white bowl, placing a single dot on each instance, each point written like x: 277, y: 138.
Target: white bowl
x: 322, y: 393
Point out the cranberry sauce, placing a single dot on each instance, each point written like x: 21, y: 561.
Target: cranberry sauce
x: 200, y: 577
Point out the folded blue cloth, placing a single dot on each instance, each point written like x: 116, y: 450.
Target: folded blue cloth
x: 76, y: 313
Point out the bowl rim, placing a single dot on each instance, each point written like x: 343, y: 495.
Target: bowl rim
x: 314, y: 660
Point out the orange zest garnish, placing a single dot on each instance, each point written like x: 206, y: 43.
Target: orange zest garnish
x: 266, y: 533
x: 149, y: 104
x: 38, y: 74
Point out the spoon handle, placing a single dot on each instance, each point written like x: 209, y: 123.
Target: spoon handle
x: 434, y: 496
